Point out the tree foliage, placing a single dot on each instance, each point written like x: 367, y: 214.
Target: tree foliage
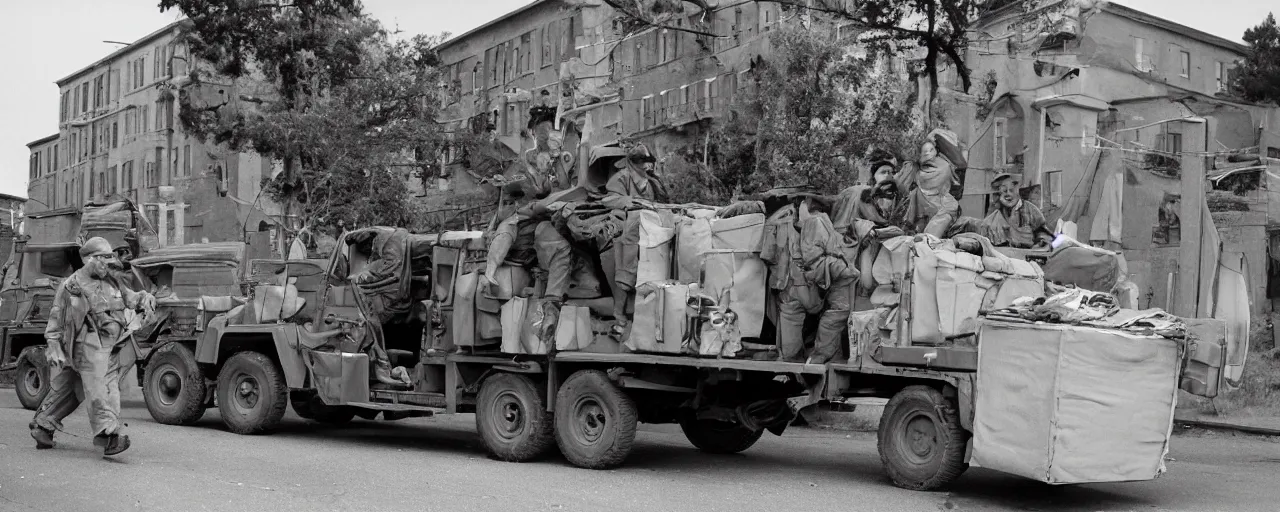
x: 343, y: 105
x: 812, y: 113
x: 938, y: 26
x: 1258, y: 75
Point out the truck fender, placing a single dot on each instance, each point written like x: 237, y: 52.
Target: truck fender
x: 278, y: 341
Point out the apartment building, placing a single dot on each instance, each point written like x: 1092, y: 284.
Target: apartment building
x: 119, y: 137
x: 556, y: 77
x: 1095, y: 106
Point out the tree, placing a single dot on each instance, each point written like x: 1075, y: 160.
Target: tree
x: 812, y: 111
x: 1258, y: 75
x: 342, y: 105
x: 938, y: 26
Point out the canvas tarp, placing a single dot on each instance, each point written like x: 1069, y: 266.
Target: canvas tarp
x: 1068, y: 404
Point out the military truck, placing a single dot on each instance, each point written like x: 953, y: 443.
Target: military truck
x: 307, y: 336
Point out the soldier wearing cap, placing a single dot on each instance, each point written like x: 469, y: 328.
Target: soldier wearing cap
x: 88, y: 350
x: 1014, y: 222
x: 635, y: 179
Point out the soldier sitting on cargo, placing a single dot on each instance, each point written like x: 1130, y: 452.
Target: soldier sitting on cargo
x: 865, y: 216
x: 1014, y: 222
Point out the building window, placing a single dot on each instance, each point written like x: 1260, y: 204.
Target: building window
x: 998, y: 148
x: 186, y: 160
x: 475, y: 79
x: 548, y: 44
x: 1053, y: 187
x: 126, y: 175
x: 1185, y: 59
x: 1142, y: 56
x: 115, y: 134
x: 646, y: 112
x: 1220, y: 76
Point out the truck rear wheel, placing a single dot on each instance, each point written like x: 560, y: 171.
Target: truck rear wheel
x: 512, y: 418
x: 251, y: 393
x: 714, y: 436
x: 31, y: 380
x: 595, y: 421
x: 921, y: 441
x: 174, y: 388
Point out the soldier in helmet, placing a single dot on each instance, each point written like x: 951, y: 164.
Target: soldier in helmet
x: 87, y: 348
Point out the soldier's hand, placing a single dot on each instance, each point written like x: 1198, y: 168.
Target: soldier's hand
x: 54, y: 357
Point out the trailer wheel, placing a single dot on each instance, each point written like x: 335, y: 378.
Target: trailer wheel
x: 595, y: 421
x: 714, y: 436
x: 512, y: 418
x: 921, y: 441
x: 31, y: 381
x: 251, y: 393
x: 173, y: 387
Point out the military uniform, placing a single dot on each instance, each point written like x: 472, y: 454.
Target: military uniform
x: 808, y: 269
x: 88, y: 324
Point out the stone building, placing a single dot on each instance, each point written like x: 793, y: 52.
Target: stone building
x: 119, y: 137
x: 554, y: 78
x: 1115, y: 118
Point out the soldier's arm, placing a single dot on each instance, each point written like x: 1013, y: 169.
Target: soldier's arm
x: 53, y: 329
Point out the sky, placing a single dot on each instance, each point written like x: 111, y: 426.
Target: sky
x: 43, y: 41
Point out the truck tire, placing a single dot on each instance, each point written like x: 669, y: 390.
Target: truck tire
x: 595, y: 421
x: 921, y: 442
x: 31, y: 380
x: 251, y: 393
x: 722, y: 437
x: 512, y: 418
x: 173, y: 388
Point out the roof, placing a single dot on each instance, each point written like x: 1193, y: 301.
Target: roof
x: 1177, y: 28
x: 491, y: 23
x: 231, y: 253
x: 42, y: 140
x: 1138, y: 16
x: 145, y: 39
x: 7, y: 197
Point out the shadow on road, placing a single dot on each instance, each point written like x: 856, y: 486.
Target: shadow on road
x: 983, y: 489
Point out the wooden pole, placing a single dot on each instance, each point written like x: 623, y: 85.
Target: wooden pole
x: 1190, y: 214
x: 1044, y: 116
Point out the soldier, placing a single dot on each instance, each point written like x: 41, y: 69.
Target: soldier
x: 808, y: 269
x: 1014, y: 222
x: 634, y: 180
x: 88, y: 348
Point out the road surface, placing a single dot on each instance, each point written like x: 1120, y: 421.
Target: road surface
x: 440, y: 464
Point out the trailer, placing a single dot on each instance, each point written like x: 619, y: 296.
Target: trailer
x: 303, y: 336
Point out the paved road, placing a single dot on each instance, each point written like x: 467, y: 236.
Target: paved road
x: 440, y: 464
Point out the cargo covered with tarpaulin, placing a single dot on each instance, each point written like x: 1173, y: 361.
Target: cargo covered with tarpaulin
x: 1070, y: 404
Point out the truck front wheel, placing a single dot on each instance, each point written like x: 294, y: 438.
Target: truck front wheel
x: 714, y: 436
x: 512, y: 418
x: 31, y: 380
x: 251, y: 393
x: 173, y: 387
x: 595, y: 421
x: 921, y: 441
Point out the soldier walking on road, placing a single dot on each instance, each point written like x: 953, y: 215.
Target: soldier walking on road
x: 88, y: 348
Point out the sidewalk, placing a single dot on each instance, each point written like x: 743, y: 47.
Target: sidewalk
x: 1263, y: 425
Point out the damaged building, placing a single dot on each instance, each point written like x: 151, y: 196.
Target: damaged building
x: 1122, y: 126
x: 120, y: 137
x: 546, y: 82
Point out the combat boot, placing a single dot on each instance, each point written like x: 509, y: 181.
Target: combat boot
x: 43, y: 437
x: 113, y: 444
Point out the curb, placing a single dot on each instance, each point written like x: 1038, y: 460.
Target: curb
x: 1221, y: 425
